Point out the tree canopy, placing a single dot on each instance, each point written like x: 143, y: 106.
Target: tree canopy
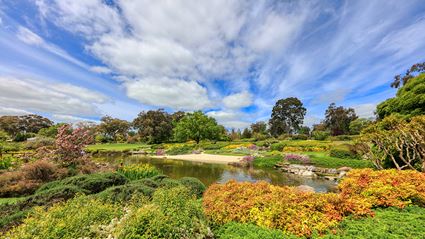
x: 338, y: 119
x: 409, y: 100
x: 112, y: 127
x: 154, y: 126
x: 24, y: 124
x: 287, y: 116
x: 197, y: 126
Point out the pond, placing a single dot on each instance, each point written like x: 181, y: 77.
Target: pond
x: 219, y: 173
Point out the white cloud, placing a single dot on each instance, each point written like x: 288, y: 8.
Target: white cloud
x: 41, y: 96
x: 100, y: 69
x: 365, y: 110
x: 12, y: 111
x: 239, y: 100
x: 230, y: 119
x: 29, y: 37
x: 70, y: 119
x: 167, y: 92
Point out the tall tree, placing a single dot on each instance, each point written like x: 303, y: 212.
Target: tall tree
x: 259, y: 127
x: 246, y: 133
x: 338, y: 119
x: 409, y: 100
x: 24, y: 124
x: 112, y: 127
x: 197, y: 126
x: 287, y: 116
x: 400, y: 80
x: 154, y: 126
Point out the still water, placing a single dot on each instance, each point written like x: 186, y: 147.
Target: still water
x: 219, y: 173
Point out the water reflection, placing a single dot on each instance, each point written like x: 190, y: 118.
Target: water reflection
x: 219, y: 173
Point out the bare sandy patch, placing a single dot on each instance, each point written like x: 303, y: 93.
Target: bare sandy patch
x: 204, y: 158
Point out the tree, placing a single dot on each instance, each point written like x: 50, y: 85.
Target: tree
x: 112, y: 127
x: 154, y: 126
x: 70, y: 144
x: 403, y: 79
x: 287, y: 116
x: 259, y: 127
x: 304, y: 130
x: 197, y: 126
x: 50, y: 132
x: 246, y: 134
x: 177, y: 116
x: 338, y: 119
x: 357, y: 125
x: 24, y: 124
x: 409, y: 100
x: 396, y: 142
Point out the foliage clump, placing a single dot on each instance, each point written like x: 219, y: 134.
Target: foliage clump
x: 138, y: 171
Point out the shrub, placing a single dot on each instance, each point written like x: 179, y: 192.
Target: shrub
x: 342, y: 153
x: 320, y: 135
x: 173, y: 213
x: 6, y: 162
x: 299, y: 137
x: 184, y: 149
x: 267, y: 161
x: 385, y: 188
x: 138, y: 171
x: 124, y: 193
x: 93, y: 183
x: 277, y: 146
x: 303, y: 159
x: 233, y: 230
x: 29, y: 177
x: 39, y: 142
x: 284, y: 208
x: 75, y: 219
x: 195, y: 186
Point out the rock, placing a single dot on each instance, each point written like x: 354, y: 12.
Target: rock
x: 305, y: 189
x: 345, y: 169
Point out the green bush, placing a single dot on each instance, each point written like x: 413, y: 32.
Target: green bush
x: 195, y: 186
x: 184, y: 149
x: 78, y: 218
x: 93, y: 183
x: 6, y: 162
x: 174, y: 214
x: 267, y: 161
x: 138, y: 171
x: 277, y: 146
x: 235, y: 230
x: 169, y: 183
x: 299, y: 137
x: 320, y: 135
x: 343, y: 152
x: 39, y: 142
x: 124, y: 193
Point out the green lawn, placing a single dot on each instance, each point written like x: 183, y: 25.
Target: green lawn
x: 322, y: 159
x: 117, y: 147
x: 389, y: 223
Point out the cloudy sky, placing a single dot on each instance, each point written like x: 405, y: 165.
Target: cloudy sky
x: 72, y: 60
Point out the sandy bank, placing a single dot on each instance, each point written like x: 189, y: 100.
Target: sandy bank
x: 205, y: 158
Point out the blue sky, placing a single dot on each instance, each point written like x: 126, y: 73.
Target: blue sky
x: 75, y: 60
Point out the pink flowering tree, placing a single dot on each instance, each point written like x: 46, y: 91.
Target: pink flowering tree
x: 70, y: 144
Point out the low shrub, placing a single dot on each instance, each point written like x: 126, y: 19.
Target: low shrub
x: 124, y: 193
x: 195, y: 186
x: 342, y: 138
x: 6, y: 162
x: 78, y: 218
x: 284, y: 208
x: 318, y: 148
x: 296, y: 158
x: 299, y: 137
x: 173, y: 213
x: 320, y: 135
x: 343, y: 153
x: 138, y: 171
x: 29, y: 177
x: 39, y: 142
x: 233, y: 230
x: 93, y: 183
x: 277, y: 146
x: 385, y: 188
x: 184, y: 149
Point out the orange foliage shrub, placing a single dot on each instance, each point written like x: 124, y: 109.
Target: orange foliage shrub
x: 385, y: 188
x: 284, y: 208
